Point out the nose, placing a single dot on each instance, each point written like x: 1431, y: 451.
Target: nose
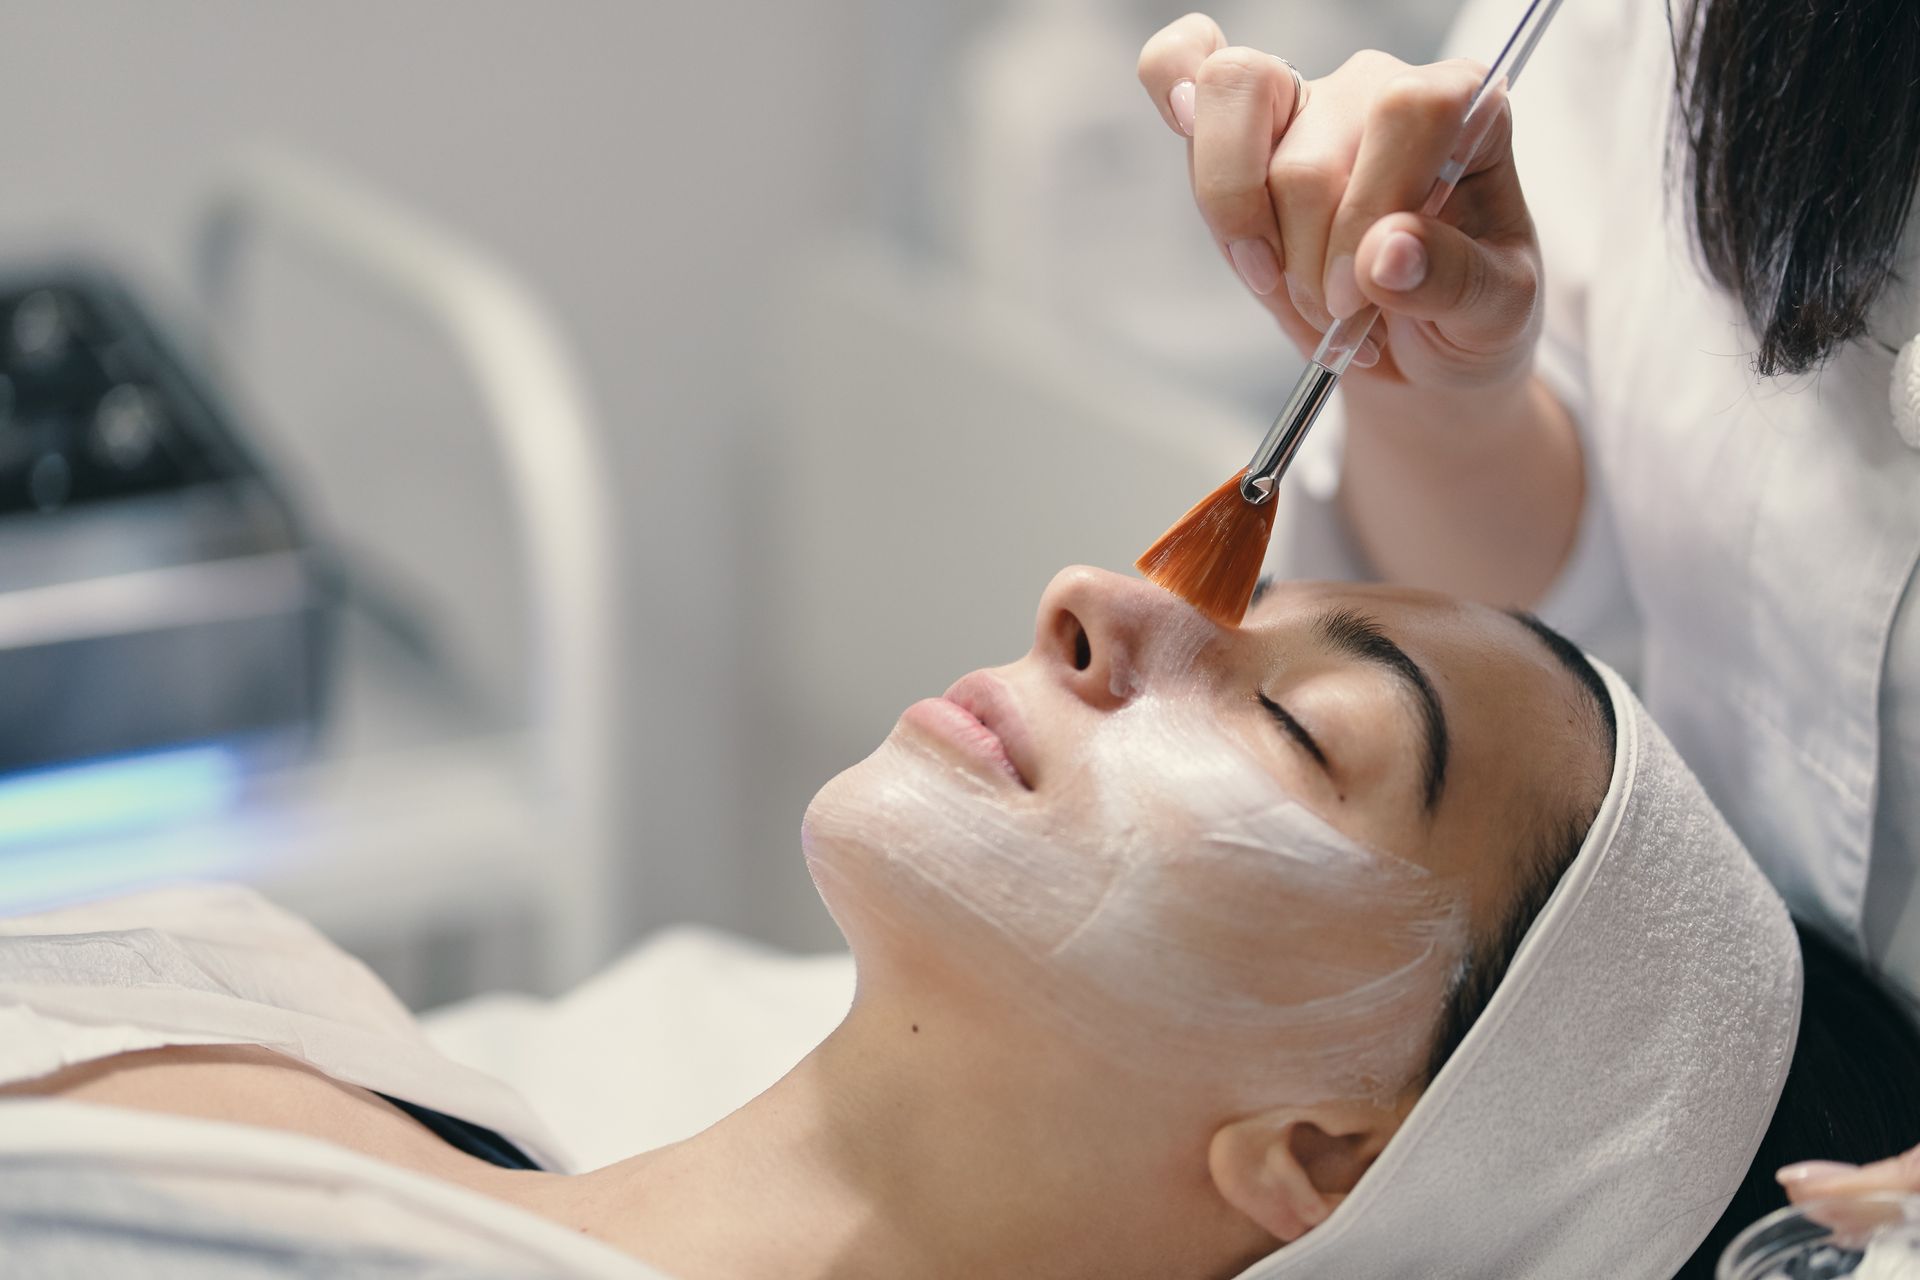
x: 1104, y: 636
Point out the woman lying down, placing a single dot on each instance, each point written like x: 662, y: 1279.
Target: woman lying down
x: 1381, y: 937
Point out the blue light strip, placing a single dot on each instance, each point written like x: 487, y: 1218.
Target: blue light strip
x: 115, y: 796
x: 75, y: 832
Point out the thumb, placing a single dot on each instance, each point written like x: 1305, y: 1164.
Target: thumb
x: 1479, y: 295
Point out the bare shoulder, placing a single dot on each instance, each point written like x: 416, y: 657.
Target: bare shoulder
x: 249, y: 1084
x: 104, y: 1079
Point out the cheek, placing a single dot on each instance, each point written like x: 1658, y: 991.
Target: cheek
x: 1279, y: 951
x: 1168, y: 903
x: 909, y: 846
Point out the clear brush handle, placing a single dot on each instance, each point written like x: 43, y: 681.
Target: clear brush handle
x: 1343, y: 337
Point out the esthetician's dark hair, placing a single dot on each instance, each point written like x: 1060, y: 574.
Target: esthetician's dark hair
x: 1850, y: 1093
x: 1798, y: 134
x: 1548, y: 855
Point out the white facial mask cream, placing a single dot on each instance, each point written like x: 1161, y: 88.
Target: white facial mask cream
x: 1162, y: 897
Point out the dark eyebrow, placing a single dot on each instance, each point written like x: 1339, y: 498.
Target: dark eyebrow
x: 1570, y: 657
x: 1357, y: 636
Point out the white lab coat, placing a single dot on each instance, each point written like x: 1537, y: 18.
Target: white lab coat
x: 1749, y: 544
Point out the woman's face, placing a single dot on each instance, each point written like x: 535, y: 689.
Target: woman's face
x: 1249, y: 858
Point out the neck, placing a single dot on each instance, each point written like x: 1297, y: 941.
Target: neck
x: 906, y: 1145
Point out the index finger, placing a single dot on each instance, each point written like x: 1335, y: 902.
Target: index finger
x: 1174, y: 54
x: 1412, y: 126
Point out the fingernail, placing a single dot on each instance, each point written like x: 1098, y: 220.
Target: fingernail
x: 1812, y: 1171
x: 1255, y: 262
x: 1402, y: 263
x: 1343, y: 291
x: 1301, y: 299
x: 1368, y: 354
x: 1180, y: 99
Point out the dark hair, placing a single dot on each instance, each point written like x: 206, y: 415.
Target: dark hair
x: 1849, y: 1094
x: 1541, y: 866
x: 1801, y: 131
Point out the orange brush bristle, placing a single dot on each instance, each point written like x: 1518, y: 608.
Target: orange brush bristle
x: 1211, y: 557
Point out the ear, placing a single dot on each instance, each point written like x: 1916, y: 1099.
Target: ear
x: 1287, y: 1169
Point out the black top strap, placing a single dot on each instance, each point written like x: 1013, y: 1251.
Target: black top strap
x: 474, y: 1139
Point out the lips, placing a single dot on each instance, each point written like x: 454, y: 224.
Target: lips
x: 987, y: 701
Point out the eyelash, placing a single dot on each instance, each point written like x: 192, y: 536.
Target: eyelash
x: 1293, y: 729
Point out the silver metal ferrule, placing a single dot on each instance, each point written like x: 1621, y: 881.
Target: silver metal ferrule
x: 1288, y: 432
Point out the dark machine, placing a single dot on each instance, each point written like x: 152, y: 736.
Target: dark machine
x: 156, y: 585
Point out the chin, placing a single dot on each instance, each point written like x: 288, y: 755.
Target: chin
x: 869, y: 836
x: 838, y: 823
x: 843, y: 837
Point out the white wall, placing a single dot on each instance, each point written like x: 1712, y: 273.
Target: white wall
x: 645, y: 167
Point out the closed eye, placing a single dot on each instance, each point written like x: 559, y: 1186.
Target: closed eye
x: 1295, y: 730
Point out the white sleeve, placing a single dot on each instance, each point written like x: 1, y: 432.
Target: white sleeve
x: 1556, y: 135
x: 1561, y: 143
x: 1589, y: 601
x: 1310, y: 538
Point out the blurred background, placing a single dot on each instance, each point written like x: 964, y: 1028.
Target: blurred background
x: 474, y: 469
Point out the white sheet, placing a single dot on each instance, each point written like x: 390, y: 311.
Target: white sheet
x: 106, y: 1191
x: 219, y: 964
x: 663, y: 1043
x: 667, y: 1040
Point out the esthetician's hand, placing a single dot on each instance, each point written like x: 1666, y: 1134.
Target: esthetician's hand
x: 1309, y: 201
x: 1818, y: 1179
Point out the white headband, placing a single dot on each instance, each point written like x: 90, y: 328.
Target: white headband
x: 1606, y: 1104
